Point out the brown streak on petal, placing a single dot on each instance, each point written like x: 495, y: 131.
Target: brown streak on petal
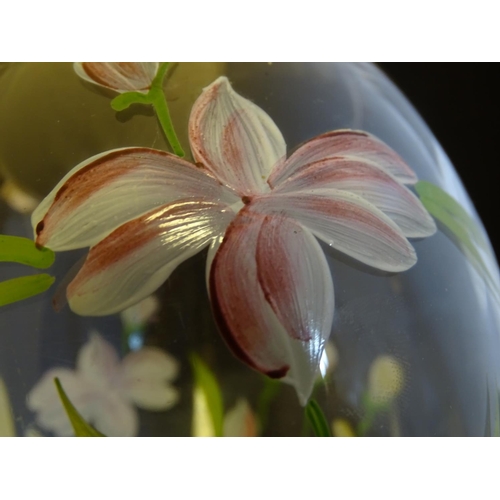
x: 131, y: 236
x: 39, y: 227
x: 278, y: 373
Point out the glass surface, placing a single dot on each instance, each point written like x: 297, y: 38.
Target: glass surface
x: 425, y: 341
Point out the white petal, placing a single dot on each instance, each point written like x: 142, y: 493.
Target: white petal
x: 114, y: 187
x: 348, y: 223
x: 135, y: 259
x: 44, y: 400
x: 369, y: 181
x: 353, y: 143
x: 234, y: 139
x: 145, y: 378
x: 110, y: 414
x: 97, y: 361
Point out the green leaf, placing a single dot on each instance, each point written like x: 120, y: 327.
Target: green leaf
x: 123, y: 101
x: 317, y: 419
x: 24, y: 251
x: 81, y: 428
x: 461, y: 228
x: 206, y: 381
x: 24, y: 287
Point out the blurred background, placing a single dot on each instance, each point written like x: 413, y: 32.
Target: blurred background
x: 461, y: 104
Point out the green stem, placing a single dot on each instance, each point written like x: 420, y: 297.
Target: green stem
x: 156, y: 98
x: 159, y: 103
x: 317, y: 419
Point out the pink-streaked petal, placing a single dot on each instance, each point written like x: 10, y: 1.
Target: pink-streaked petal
x: 118, y: 76
x: 356, y: 144
x: 114, y: 187
x: 135, y: 259
x: 371, y: 183
x: 145, y: 377
x: 98, y: 361
x: 243, y: 298
x: 347, y: 223
x: 234, y: 139
x: 44, y: 400
x: 295, y: 279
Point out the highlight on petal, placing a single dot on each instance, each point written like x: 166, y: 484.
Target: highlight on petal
x: 366, y: 179
x: 145, y: 377
x: 347, y: 223
x: 272, y: 296
x: 114, y: 187
x: 355, y: 144
x: 136, y: 258
x: 118, y: 76
x: 234, y: 139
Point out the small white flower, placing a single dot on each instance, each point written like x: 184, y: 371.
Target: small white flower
x: 104, y: 389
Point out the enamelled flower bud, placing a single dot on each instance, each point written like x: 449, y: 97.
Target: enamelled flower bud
x: 119, y: 76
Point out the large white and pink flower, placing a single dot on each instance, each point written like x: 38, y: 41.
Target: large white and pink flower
x: 144, y: 211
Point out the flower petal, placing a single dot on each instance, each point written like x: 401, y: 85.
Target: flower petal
x: 346, y: 222
x: 119, y: 76
x: 114, y: 187
x: 295, y: 278
x: 97, y: 361
x: 234, y: 139
x: 113, y: 416
x: 44, y: 400
x: 272, y: 296
x: 353, y: 143
x: 135, y: 259
x: 367, y: 180
x: 145, y: 377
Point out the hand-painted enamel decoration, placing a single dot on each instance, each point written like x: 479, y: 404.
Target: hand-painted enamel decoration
x: 142, y: 212
x: 106, y: 390
x: 119, y: 76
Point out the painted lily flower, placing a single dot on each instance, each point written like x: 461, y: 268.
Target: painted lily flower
x: 144, y: 211
x: 118, y: 76
x: 105, y: 391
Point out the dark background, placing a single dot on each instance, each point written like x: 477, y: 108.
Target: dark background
x: 461, y: 104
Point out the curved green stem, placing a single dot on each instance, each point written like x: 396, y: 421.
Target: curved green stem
x: 160, y: 106
x: 156, y: 98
